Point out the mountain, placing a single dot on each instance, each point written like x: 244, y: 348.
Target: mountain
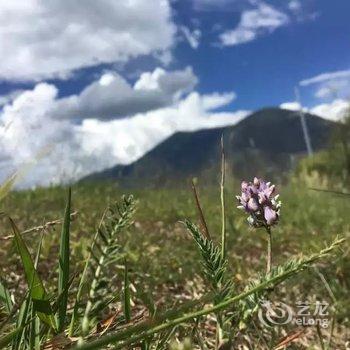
x: 266, y: 143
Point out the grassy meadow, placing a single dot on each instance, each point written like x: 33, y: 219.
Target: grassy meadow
x: 164, y: 266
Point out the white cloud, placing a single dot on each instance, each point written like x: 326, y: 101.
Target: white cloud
x: 326, y: 77
x: 139, y: 134
x: 294, y: 5
x: 93, y: 145
x: 169, y: 83
x: 28, y: 130
x: 42, y: 39
x: 193, y: 37
x: 334, y: 110
x: 216, y: 100
x: 224, y: 5
x: 238, y: 36
x: 302, y: 13
x: 7, y: 98
x: 113, y: 97
x: 262, y: 20
x: 323, y: 92
x: 330, y: 84
x: 333, y: 88
x: 291, y: 106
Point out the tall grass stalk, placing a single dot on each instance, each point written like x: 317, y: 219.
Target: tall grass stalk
x: 63, y: 271
x: 200, y: 211
x: 107, y: 249
x: 83, y: 279
x: 126, y: 294
x: 320, y: 337
x: 222, y: 198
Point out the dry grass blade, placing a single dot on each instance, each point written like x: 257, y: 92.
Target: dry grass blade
x: 40, y: 228
x: 103, y: 326
x: 59, y: 341
x: 289, y: 339
x: 320, y: 337
x: 200, y: 211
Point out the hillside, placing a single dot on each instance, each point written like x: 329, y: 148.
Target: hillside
x: 269, y: 139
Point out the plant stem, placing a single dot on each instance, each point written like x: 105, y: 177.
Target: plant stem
x: 269, y: 250
x: 222, y: 196
x: 85, y: 322
x: 200, y: 211
x: 319, y: 333
x: 83, y: 280
x: 223, y: 230
x: 148, y: 330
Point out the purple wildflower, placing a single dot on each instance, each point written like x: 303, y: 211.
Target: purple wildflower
x: 258, y: 199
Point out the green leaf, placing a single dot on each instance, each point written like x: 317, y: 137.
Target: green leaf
x: 24, y: 315
x: 5, y: 298
x: 7, y: 185
x: 63, y: 271
x: 38, y: 294
x: 105, y: 249
x: 34, y: 340
x: 6, y: 339
x: 83, y: 281
x: 126, y: 295
x: 34, y: 334
x: 214, y: 264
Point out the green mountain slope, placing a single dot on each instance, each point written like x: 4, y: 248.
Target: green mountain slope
x: 266, y: 143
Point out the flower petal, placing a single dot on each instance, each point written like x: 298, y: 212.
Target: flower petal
x: 253, y: 204
x: 244, y: 185
x: 270, y: 215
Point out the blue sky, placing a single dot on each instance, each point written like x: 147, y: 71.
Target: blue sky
x: 264, y: 71
x: 101, y: 84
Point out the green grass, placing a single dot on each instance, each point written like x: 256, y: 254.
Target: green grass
x: 164, y: 265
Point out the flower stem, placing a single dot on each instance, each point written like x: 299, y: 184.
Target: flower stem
x: 219, y: 330
x: 269, y: 250
x: 222, y: 197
